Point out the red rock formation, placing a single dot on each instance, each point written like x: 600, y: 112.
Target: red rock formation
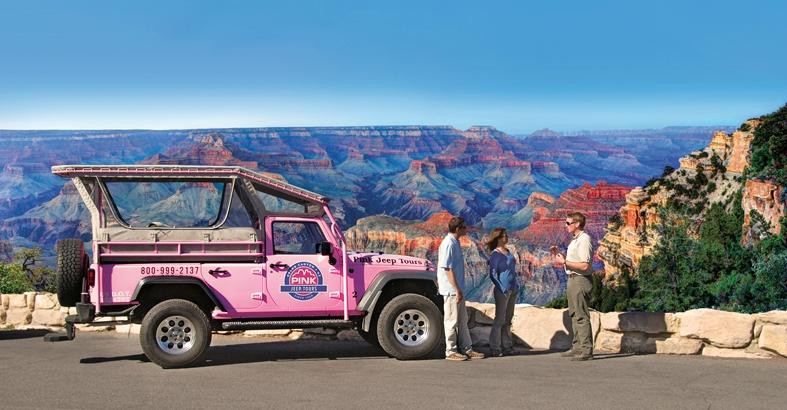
x: 422, y: 167
x: 766, y: 198
x: 598, y: 203
x: 205, y: 150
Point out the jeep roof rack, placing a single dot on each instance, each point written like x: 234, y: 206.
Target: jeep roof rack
x: 279, y: 187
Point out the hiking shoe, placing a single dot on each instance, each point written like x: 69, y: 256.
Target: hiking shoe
x: 472, y: 354
x: 456, y: 357
x: 582, y: 358
x: 569, y: 353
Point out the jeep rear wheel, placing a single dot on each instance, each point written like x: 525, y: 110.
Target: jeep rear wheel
x: 409, y: 327
x: 175, y: 333
x: 71, y: 269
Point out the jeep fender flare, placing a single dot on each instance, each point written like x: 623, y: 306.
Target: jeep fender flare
x: 375, y: 290
x: 175, y: 280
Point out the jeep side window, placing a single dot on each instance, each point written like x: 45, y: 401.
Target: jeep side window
x: 238, y: 216
x: 300, y: 238
x: 144, y: 204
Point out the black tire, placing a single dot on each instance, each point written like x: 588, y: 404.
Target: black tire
x: 393, y: 321
x: 193, y: 331
x: 72, y: 266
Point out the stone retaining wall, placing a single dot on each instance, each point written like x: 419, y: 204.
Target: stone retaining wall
x: 700, y: 331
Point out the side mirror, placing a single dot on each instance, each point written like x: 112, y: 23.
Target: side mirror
x: 325, y: 248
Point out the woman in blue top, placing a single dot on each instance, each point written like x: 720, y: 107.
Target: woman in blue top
x: 502, y: 271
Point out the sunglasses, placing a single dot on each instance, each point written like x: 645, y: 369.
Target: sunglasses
x: 569, y: 223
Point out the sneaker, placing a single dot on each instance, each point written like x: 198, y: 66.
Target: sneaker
x: 496, y: 353
x: 472, y: 354
x: 582, y: 358
x: 456, y: 357
x: 509, y: 352
x: 569, y: 353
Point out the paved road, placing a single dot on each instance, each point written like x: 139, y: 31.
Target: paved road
x: 109, y: 371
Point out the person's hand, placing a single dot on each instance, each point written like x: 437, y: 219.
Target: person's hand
x: 560, y: 259
x: 554, y: 250
x: 459, y: 296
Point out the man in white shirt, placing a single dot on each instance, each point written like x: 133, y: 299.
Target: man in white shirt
x: 579, y: 268
x: 450, y: 282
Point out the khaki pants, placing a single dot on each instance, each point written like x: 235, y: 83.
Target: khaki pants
x: 501, y: 327
x: 578, y: 294
x: 455, y: 322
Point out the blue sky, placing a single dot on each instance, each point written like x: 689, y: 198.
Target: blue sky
x: 516, y: 65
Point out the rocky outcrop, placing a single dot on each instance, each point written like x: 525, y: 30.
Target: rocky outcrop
x: 721, y: 163
x: 764, y: 204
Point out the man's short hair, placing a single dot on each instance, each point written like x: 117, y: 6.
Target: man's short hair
x: 579, y: 218
x: 455, y: 223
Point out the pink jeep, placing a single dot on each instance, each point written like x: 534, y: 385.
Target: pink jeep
x: 185, y: 250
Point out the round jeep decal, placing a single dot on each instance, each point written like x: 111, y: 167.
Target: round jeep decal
x: 303, y: 281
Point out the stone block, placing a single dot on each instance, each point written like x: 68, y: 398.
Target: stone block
x: 608, y: 342
x: 757, y: 329
x: 349, y: 335
x: 129, y: 329
x: 30, y: 299
x: 46, y: 301
x: 51, y: 317
x: 645, y: 322
x: 18, y: 316
x: 542, y: 328
x: 631, y: 342
x: 774, y: 339
x: 4, y: 301
x: 595, y: 323
x: 480, y: 336
x: 678, y: 345
x: 721, y: 329
x: 2, y: 315
x: 17, y: 301
x: 267, y: 333
x: 776, y: 317
x: 673, y: 322
x: 714, y: 351
x: 480, y: 313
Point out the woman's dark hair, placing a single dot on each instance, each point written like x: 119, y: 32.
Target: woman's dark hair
x: 494, y: 237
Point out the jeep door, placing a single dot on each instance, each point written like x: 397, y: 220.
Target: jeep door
x: 299, y: 279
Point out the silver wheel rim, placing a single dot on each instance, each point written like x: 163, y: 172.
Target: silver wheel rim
x: 411, y: 328
x: 175, y: 335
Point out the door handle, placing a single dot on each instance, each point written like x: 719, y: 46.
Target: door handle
x: 218, y: 272
x: 279, y: 265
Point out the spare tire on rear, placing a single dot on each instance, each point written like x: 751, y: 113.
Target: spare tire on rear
x: 71, y: 269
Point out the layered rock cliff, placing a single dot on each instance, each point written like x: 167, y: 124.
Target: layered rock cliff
x: 713, y: 175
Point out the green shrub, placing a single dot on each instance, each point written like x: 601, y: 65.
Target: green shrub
x: 560, y: 302
x: 13, y: 279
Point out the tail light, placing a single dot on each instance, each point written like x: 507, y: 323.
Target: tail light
x: 91, y: 277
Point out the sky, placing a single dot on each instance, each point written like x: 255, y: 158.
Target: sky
x: 518, y: 65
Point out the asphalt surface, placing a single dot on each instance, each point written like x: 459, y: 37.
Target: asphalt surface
x: 109, y: 371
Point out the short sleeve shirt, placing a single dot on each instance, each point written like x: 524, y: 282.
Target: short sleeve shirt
x: 450, y: 256
x: 580, y: 250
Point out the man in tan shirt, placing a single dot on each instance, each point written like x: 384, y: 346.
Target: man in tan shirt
x: 579, y: 268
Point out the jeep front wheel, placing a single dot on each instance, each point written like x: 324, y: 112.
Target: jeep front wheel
x: 410, y: 326
x: 175, y: 333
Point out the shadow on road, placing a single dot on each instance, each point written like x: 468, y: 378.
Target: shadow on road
x: 290, y: 350
x: 22, y: 334
x: 270, y: 352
